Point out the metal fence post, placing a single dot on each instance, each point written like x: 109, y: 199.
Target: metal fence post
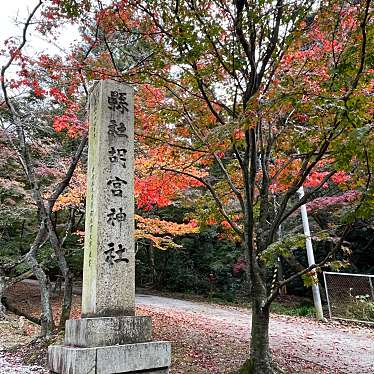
x: 310, y: 256
x: 371, y: 288
x: 327, y: 294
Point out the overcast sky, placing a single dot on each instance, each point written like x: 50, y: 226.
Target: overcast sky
x: 20, y: 9
x: 9, y: 11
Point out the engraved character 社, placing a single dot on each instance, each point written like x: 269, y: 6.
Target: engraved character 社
x: 113, y: 255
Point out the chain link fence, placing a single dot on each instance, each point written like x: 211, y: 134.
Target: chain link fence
x: 350, y: 296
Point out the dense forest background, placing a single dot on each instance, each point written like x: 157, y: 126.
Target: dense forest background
x: 205, y: 263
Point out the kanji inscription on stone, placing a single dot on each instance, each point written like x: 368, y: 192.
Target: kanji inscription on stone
x: 116, y: 215
x: 117, y: 129
x: 109, y: 338
x: 117, y: 186
x: 118, y: 101
x: 118, y: 155
x: 115, y: 253
x: 109, y: 259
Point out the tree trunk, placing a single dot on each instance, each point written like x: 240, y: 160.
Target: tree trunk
x: 151, y: 257
x: 46, y: 318
x: 283, y: 290
x: 57, y: 287
x: 260, y: 360
x: 260, y: 356
x: 2, y: 289
x: 67, y: 301
x: 161, y: 273
x: 65, y: 270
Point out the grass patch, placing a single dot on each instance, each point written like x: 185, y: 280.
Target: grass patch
x: 300, y: 310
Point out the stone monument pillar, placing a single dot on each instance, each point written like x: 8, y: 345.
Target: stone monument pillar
x: 110, y: 338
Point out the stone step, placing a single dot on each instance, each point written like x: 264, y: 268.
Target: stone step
x: 104, y: 331
x: 149, y: 357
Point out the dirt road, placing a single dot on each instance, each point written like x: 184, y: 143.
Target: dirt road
x: 333, y: 348
x: 341, y: 349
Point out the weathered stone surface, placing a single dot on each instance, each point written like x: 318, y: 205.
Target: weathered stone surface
x: 160, y: 371
x: 147, y: 358
x: 97, y: 332
x: 71, y: 360
x: 109, y: 257
x: 95, y: 343
x: 133, y: 357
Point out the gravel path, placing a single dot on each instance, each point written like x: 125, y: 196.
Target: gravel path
x: 11, y: 336
x: 10, y: 364
x: 339, y: 348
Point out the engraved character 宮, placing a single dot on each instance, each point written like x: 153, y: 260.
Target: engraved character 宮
x: 116, y: 186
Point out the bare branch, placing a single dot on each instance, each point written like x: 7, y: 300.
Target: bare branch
x: 163, y: 141
x: 13, y: 56
x: 221, y: 208
x: 69, y: 174
x: 308, y: 196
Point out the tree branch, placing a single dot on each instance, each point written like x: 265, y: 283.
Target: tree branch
x: 222, y: 210
x: 308, y: 269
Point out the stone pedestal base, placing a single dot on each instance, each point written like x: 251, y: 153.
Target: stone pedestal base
x: 99, y: 332
x: 109, y: 345
x: 150, y: 358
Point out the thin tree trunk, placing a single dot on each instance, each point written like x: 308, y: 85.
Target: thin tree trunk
x: 46, y: 318
x: 161, y: 273
x: 2, y: 289
x: 280, y: 276
x: 68, y: 276
x: 151, y: 257
x: 22, y: 235
x: 57, y: 287
x: 67, y: 301
x: 65, y: 270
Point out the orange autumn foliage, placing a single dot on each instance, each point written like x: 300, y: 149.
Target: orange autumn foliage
x: 161, y: 233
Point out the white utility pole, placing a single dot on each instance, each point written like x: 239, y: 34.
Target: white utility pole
x: 311, y: 261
